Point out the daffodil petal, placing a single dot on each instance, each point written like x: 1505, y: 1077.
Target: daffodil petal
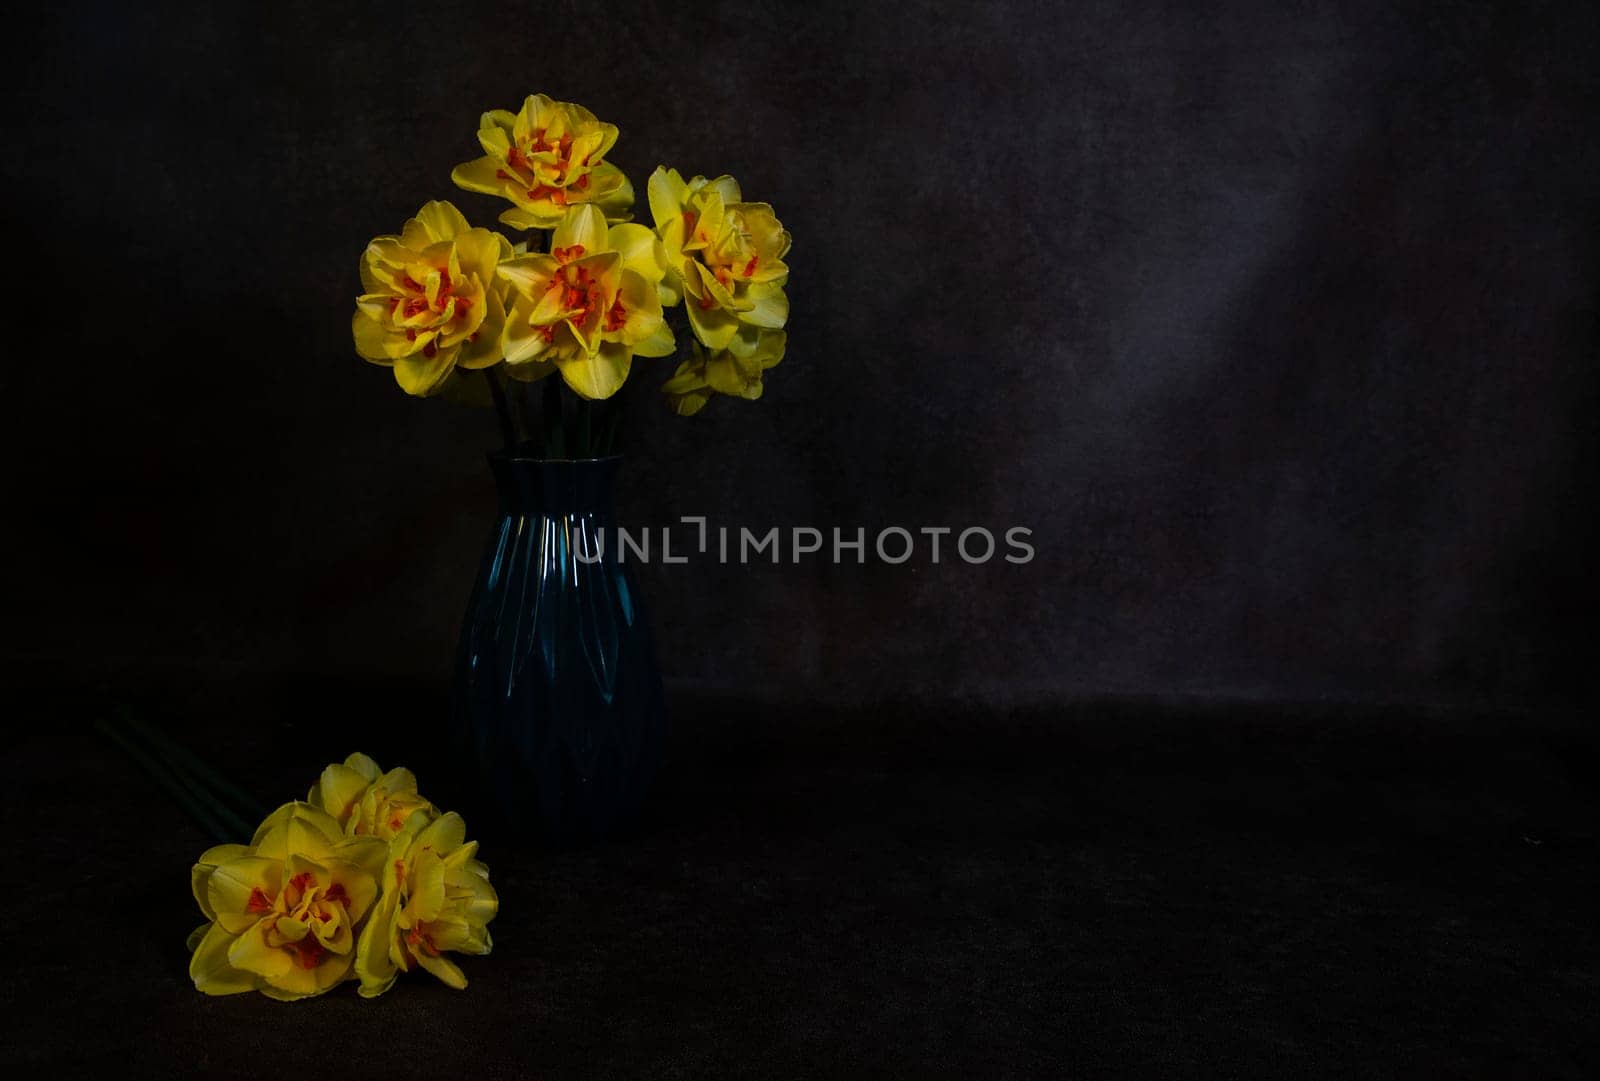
x: 666, y: 192
x: 444, y: 835
x: 442, y: 220
x: 599, y: 375
x: 251, y: 953
x: 422, y: 376
x: 771, y: 306
x: 445, y: 969
x: 583, y: 227
x: 714, y: 327
x: 660, y: 343
x: 370, y: 338
x: 210, y: 969
x: 482, y: 349
x: 240, y: 890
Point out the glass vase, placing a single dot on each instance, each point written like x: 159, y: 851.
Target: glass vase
x: 558, y: 708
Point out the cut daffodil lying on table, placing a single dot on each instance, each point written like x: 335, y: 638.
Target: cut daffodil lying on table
x: 364, y: 880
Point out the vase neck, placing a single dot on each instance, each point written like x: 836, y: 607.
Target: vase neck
x: 532, y: 486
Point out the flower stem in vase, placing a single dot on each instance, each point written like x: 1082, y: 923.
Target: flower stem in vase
x: 606, y: 440
x: 585, y: 441
x: 553, y: 443
x: 508, y: 430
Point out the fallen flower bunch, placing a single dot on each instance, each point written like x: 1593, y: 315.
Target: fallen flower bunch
x: 363, y: 880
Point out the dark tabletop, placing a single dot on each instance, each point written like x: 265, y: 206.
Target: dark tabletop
x: 1115, y: 889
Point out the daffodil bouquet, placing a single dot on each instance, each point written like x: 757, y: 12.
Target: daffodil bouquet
x: 456, y: 309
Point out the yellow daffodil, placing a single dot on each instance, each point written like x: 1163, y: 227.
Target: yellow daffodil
x: 365, y: 801
x: 436, y: 898
x: 588, y: 307
x: 726, y: 255
x: 544, y: 158
x: 429, y: 303
x: 734, y: 371
x: 286, y: 909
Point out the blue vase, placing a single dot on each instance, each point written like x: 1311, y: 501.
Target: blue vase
x: 558, y: 707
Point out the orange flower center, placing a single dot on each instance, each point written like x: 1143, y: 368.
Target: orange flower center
x: 617, y: 317
x: 543, y: 179
x: 308, y: 952
x: 421, y: 941
x: 580, y: 293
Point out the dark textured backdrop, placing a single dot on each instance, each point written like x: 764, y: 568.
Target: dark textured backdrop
x: 1275, y: 322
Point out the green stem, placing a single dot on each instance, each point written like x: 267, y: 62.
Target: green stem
x: 554, y: 444
x: 184, y: 760
x: 585, y: 440
x: 224, y: 826
x: 508, y: 429
x: 608, y: 430
x: 519, y: 411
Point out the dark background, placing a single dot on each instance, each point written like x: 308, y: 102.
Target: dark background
x: 1274, y: 322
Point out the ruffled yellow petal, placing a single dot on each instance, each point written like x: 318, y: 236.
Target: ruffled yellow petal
x: 690, y: 376
x: 714, y: 327
x: 298, y: 983
x: 210, y: 969
x: 444, y: 835
x: 200, y: 875
x: 688, y: 403
x: 494, y: 131
x: 641, y: 250
x: 444, y: 968
x: 478, y: 253
x: 296, y: 828
x: 481, y: 175
x: 612, y: 191
x: 338, y: 790
x: 598, y: 375
x: 640, y: 308
x: 770, y: 307
x: 251, y: 952
x: 427, y: 886
x: 583, y: 227
x: 241, y: 890
x: 529, y: 274
x: 667, y: 194
x: 437, y: 220
x: 726, y: 188
x: 546, y: 216
x: 364, y: 766
x: 660, y: 343
x: 482, y: 349
x: 371, y: 339
x: 521, y: 341
x: 423, y: 376
x: 731, y: 375
x: 359, y: 887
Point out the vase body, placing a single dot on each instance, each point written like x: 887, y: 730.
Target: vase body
x: 558, y: 709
